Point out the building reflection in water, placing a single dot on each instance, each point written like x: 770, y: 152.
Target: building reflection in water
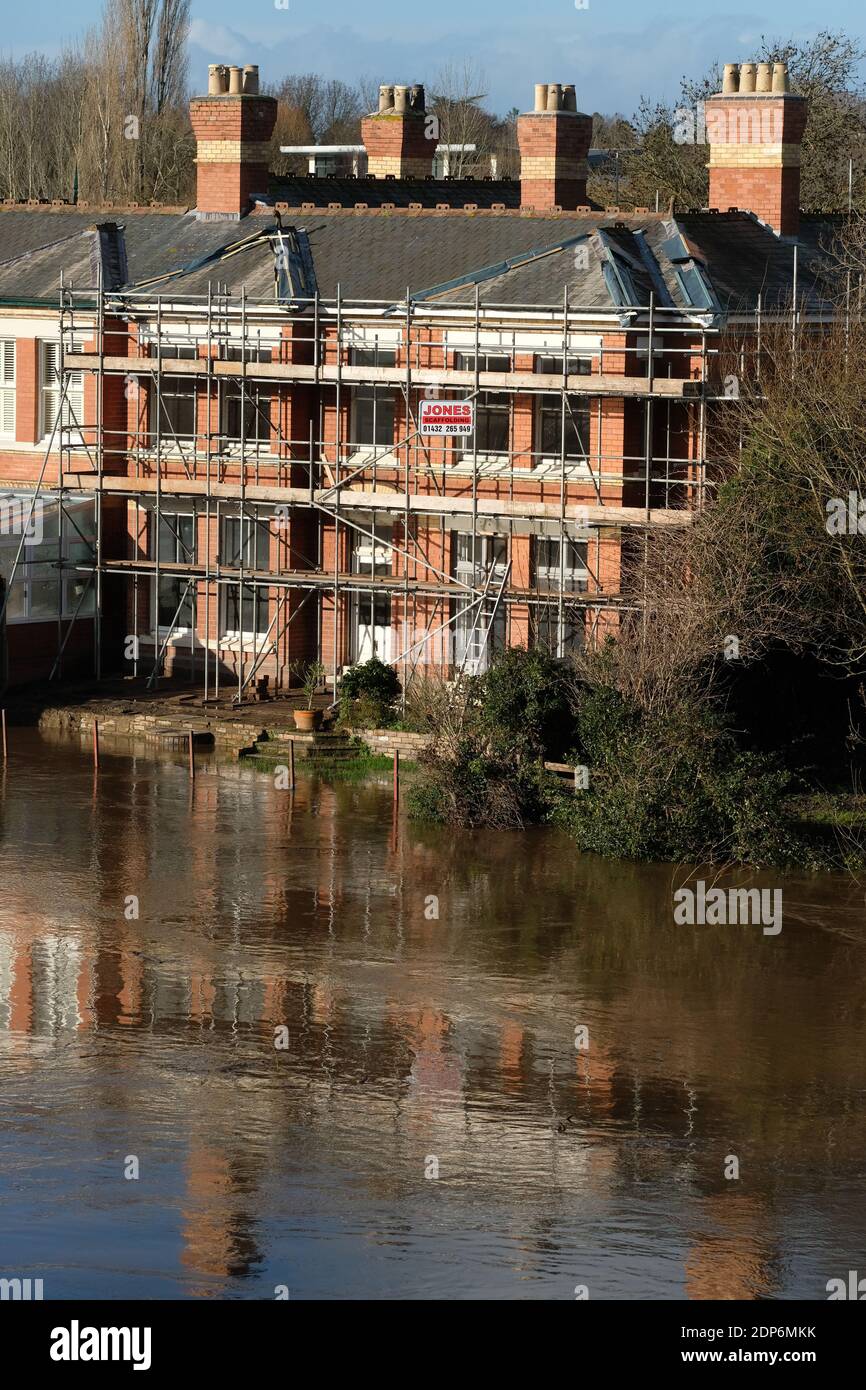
x: 409, y: 1037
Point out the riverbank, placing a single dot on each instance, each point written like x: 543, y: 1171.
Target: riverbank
x: 740, y: 809
x: 166, y: 717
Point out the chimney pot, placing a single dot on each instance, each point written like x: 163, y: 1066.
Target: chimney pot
x: 747, y: 77
x: 554, y: 96
x: 214, y: 80
x: 764, y: 80
x: 386, y: 99
x: 235, y: 81
x: 541, y: 96
x: 401, y: 100
x: 416, y: 97
x: 780, y: 77
x: 569, y: 97
x: 731, y: 78
x: 251, y: 79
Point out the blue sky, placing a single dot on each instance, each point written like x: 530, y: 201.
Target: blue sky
x: 614, y: 50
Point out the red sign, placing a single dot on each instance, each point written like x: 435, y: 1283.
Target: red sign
x: 447, y: 417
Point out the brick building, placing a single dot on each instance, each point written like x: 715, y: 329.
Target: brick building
x: 211, y: 419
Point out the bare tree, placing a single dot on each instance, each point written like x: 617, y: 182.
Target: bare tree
x: 314, y: 111
x: 457, y: 90
x: 776, y: 559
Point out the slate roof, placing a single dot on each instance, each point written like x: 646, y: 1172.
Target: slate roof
x: 37, y: 244
x: 733, y: 259
x: 705, y: 262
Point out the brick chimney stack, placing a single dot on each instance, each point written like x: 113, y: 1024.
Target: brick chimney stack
x: 554, y: 142
x: 399, y: 138
x: 233, y: 125
x: 755, y: 129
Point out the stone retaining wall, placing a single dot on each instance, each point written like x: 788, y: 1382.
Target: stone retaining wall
x: 72, y: 720
x: 391, y: 741
x: 232, y: 733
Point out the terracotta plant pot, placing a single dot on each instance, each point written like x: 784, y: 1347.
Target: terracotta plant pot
x: 306, y: 720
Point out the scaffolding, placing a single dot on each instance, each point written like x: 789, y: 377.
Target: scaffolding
x: 224, y: 407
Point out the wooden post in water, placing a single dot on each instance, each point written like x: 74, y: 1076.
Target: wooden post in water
x: 191, y: 756
x: 396, y: 775
x: 96, y: 743
x: 291, y: 764
x: 3, y: 734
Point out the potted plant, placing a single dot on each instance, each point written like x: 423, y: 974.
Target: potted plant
x: 311, y: 676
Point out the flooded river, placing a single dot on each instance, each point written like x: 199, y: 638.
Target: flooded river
x: 255, y: 1041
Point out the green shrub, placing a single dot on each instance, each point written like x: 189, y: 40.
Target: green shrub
x: 478, y: 784
x: 670, y: 783
x: 368, y: 693
x: 365, y: 712
x: 526, y: 696
x: 675, y: 786
x: 371, y: 677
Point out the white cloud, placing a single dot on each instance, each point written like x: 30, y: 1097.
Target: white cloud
x: 218, y: 42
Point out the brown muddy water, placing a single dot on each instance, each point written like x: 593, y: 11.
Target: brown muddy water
x: 412, y: 1044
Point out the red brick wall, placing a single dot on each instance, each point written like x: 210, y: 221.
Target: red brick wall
x: 227, y: 186
x: 402, y: 141
x: 772, y: 127
x: 616, y: 432
x: 559, y: 139
x: 27, y: 390
x: 771, y: 194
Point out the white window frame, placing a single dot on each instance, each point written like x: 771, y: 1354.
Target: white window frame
x: 380, y: 393
x: 575, y: 464
x: 8, y: 413
x: 49, y: 396
x: 373, y: 557
x: 576, y: 573
x: 463, y: 442
x: 172, y: 445
x: 263, y: 444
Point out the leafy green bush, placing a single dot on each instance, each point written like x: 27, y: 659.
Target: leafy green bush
x: 367, y: 693
x: 491, y: 773
x: 526, y: 695
x: 371, y: 677
x: 666, y: 783
x: 366, y: 712
x: 675, y: 786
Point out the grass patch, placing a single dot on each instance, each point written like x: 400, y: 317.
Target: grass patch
x: 828, y: 808
x: 337, y: 769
